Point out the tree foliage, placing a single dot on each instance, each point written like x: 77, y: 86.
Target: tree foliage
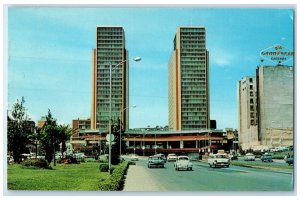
x: 115, y: 150
x: 19, y: 127
x: 64, y: 134
x: 49, y: 137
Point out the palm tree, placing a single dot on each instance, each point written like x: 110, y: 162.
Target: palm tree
x: 64, y: 135
x: 34, y: 138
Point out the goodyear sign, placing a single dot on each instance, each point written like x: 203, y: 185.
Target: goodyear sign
x: 277, y: 53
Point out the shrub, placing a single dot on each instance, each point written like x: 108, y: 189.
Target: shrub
x: 116, y: 180
x: 39, y: 163
x: 90, y: 160
x: 103, y: 161
x: 68, y: 160
x: 115, y: 159
x: 103, y: 167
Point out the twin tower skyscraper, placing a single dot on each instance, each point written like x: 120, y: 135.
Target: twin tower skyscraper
x: 188, y: 79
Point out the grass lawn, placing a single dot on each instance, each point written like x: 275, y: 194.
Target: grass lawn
x: 73, y: 177
x: 263, y: 164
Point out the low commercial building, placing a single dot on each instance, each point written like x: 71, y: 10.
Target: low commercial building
x: 152, y: 142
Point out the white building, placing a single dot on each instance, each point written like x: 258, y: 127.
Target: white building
x: 247, y: 113
x: 275, y: 105
x: 265, y: 108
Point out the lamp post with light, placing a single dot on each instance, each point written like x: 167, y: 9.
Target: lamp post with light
x: 111, y: 68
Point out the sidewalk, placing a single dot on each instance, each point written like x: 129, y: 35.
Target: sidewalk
x: 138, y: 179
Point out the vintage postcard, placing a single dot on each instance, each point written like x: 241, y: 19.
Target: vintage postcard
x: 150, y: 99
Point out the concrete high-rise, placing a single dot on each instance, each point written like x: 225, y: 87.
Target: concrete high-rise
x: 265, y: 105
x: 247, y: 113
x: 189, y: 80
x: 275, y: 97
x: 110, y: 49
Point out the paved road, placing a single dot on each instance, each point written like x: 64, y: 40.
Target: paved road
x: 203, y: 178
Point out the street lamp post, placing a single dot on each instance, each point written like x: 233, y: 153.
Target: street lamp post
x: 110, y: 106
x: 143, y: 144
x: 155, y: 144
x: 134, y: 106
x: 134, y: 145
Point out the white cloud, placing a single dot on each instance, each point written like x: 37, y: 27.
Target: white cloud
x: 222, y: 56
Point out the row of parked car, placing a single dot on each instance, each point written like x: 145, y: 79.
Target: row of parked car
x: 267, y: 157
x: 264, y: 158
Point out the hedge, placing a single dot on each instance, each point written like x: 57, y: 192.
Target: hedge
x: 37, y: 163
x: 116, y: 180
x: 103, y: 167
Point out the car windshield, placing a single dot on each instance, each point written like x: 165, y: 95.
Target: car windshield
x: 220, y: 156
x: 183, y: 158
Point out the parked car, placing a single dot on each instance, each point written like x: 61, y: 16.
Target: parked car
x: 266, y: 157
x: 290, y: 160
x: 171, y: 157
x: 77, y: 155
x: 155, y: 161
x: 233, y: 156
x: 10, y: 159
x: 215, y: 160
x: 134, y: 157
x: 162, y: 156
x: 279, y: 149
x: 183, y: 162
x: 57, y: 156
x: 249, y: 157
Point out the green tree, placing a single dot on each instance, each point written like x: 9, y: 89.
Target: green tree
x: 19, y: 127
x: 64, y: 134
x: 50, y: 137
x: 115, y: 150
x: 34, y: 138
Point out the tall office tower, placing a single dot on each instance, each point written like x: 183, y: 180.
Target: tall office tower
x: 247, y: 113
x: 189, y: 80
x: 110, y: 49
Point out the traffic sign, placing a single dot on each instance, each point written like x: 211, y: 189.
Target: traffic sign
x: 110, y: 137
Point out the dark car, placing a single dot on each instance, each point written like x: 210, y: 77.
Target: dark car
x: 267, y: 157
x: 156, y: 161
x: 290, y: 160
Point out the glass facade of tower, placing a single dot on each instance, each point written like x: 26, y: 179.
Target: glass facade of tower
x: 193, y: 79
x: 110, y: 49
x: 188, y: 80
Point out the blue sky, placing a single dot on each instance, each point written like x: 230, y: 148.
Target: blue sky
x: 49, y: 56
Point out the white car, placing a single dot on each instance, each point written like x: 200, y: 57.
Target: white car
x: 79, y: 155
x: 171, y: 157
x: 183, y: 162
x: 134, y: 157
x: 218, y: 159
x: 249, y: 157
